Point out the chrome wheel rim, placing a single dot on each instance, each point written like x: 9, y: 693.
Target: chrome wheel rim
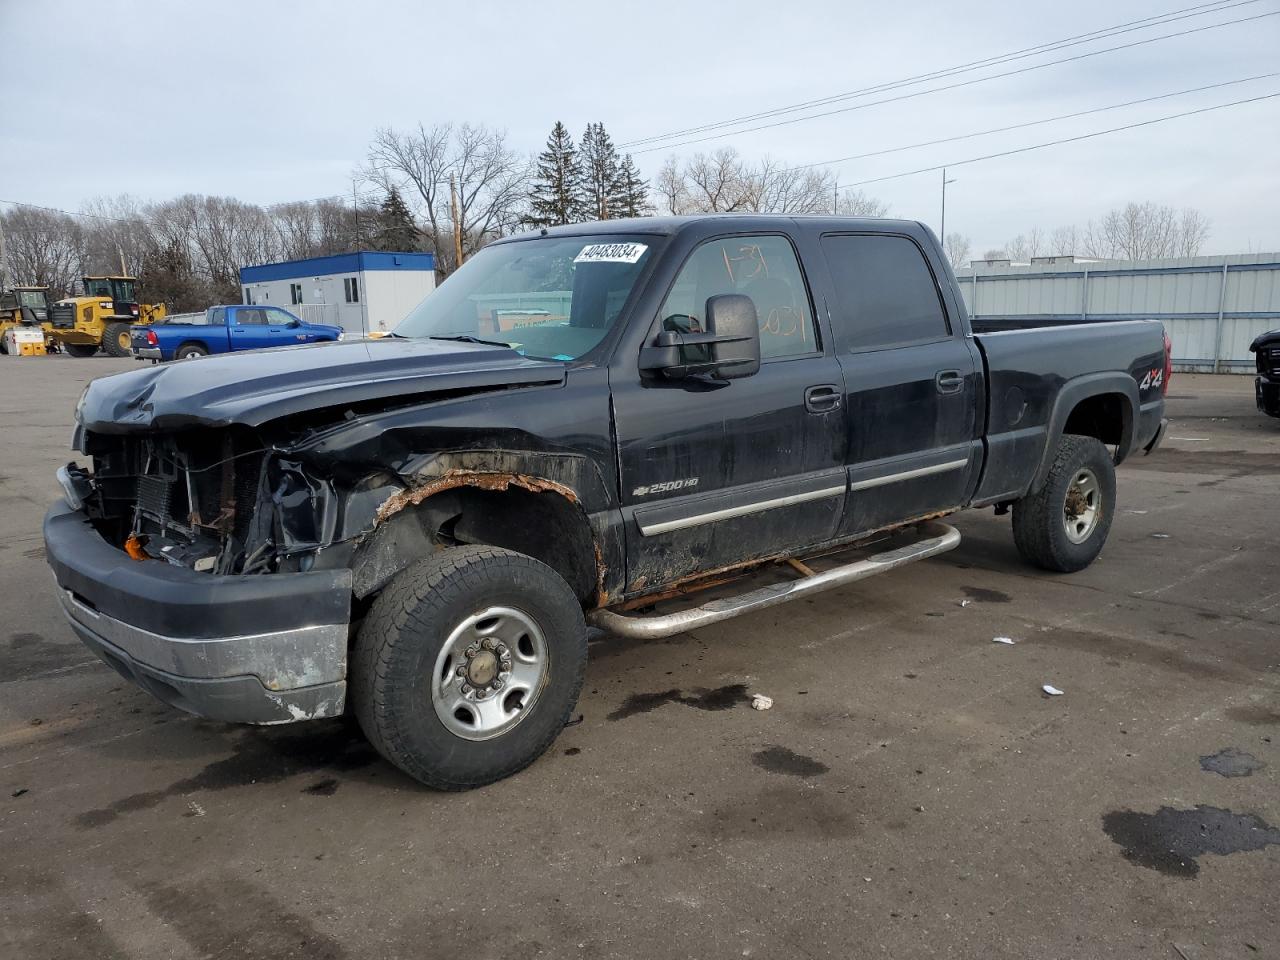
x: 1083, y: 507
x: 489, y: 673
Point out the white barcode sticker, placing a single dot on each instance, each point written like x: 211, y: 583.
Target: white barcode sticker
x: 611, y: 253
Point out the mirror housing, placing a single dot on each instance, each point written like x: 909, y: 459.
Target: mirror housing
x: 730, y: 348
x: 294, y: 323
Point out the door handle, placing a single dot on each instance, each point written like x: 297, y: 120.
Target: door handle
x: 823, y: 398
x: 949, y: 381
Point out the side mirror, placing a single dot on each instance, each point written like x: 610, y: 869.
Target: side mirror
x: 293, y: 322
x: 730, y: 348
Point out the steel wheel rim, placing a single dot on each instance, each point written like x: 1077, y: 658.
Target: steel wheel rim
x: 124, y: 340
x: 1083, y: 507
x: 489, y: 673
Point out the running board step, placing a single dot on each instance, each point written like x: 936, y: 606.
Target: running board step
x: 936, y: 538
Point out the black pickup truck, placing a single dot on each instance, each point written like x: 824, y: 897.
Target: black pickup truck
x: 584, y: 424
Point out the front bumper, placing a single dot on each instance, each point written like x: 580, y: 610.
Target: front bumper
x: 147, y: 353
x: 1267, y: 393
x: 259, y: 649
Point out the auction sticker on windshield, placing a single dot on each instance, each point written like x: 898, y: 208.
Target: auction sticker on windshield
x: 611, y: 253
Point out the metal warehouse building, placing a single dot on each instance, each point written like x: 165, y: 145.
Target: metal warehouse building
x: 363, y: 292
x: 1212, y: 307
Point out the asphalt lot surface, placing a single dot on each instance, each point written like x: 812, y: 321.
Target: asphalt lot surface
x: 912, y: 793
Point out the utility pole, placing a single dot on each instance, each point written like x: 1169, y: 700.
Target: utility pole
x: 4, y: 262
x: 942, y: 230
x: 835, y: 199
x: 124, y: 271
x: 355, y: 207
x: 457, y: 224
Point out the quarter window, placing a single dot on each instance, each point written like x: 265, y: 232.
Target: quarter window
x: 765, y: 269
x: 885, y: 293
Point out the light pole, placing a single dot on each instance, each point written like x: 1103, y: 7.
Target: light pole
x: 943, y: 229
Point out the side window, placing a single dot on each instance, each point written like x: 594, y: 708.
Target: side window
x: 279, y: 318
x: 351, y: 287
x: 295, y: 293
x: 885, y: 293
x: 251, y: 318
x: 765, y: 269
x: 248, y: 297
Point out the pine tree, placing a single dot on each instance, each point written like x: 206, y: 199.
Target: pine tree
x: 394, y: 229
x: 632, y: 196
x: 600, y: 172
x: 556, y: 196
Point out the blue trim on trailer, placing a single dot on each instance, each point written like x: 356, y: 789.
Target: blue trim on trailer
x: 1075, y: 317
x: 364, y: 260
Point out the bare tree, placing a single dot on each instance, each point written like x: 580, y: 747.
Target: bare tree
x: 1065, y: 241
x: 773, y: 188
x: 1147, y: 231
x: 1193, y: 231
x: 1026, y: 245
x: 855, y: 203
x: 490, y: 181
x: 670, y: 187
x: 994, y: 254
x: 717, y: 183
x: 956, y: 246
x: 117, y: 235
x: 43, y: 248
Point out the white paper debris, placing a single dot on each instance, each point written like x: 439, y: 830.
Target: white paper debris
x: 1160, y: 536
x: 965, y: 603
x: 1051, y: 690
x: 1008, y: 640
x: 1138, y: 512
x: 761, y: 702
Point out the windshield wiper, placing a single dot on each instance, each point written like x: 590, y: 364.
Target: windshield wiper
x: 468, y: 338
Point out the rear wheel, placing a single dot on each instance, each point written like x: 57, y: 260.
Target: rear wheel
x: 116, y: 340
x: 80, y: 350
x: 1064, y: 526
x: 468, y: 666
x: 189, y: 351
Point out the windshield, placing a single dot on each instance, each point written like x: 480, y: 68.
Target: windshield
x: 552, y: 298
x: 35, y: 299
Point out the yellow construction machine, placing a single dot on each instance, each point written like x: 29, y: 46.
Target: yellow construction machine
x: 23, y: 306
x: 101, y: 317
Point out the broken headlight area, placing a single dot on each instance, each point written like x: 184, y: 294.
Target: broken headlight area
x: 215, y: 501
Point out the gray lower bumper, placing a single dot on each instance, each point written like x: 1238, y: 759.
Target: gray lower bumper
x: 276, y: 677
x: 147, y: 353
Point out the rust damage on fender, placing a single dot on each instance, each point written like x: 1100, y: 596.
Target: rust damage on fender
x: 485, y: 480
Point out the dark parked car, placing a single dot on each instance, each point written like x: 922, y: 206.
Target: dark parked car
x: 578, y: 425
x: 1266, y: 351
x: 226, y: 329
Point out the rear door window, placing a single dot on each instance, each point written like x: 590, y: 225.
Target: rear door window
x: 886, y: 295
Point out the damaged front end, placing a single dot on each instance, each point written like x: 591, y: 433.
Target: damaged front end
x: 217, y: 501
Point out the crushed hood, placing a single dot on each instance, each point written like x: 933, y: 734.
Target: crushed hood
x: 256, y: 387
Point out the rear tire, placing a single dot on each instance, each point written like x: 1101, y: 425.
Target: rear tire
x: 453, y: 623
x: 189, y: 351
x: 1064, y: 526
x: 116, y: 340
x: 80, y: 351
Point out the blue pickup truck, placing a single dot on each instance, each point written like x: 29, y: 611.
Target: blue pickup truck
x: 225, y: 329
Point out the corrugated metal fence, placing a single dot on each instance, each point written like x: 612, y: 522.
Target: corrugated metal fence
x: 1212, y: 307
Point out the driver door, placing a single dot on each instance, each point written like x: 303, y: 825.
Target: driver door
x: 716, y: 473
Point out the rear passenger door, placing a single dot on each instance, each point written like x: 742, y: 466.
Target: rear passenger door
x: 913, y: 384
x: 249, y: 330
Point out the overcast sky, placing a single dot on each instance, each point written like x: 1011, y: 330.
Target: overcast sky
x: 275, y: 101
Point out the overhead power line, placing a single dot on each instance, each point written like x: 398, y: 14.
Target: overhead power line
x: 1197, y: 10
x: 1054, y: 143
x: 1030, y: 123
x: 957, y: 85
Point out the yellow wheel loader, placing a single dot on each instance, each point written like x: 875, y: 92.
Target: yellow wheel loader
x: 26, y: 306
x: 101, y: 317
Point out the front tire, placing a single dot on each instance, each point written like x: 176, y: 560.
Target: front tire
x: 1064, y: 526
x: 116, y: 340
x: 468, y: 666
x: 81, y: 351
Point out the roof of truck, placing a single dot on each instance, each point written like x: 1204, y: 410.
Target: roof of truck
x: 667, y: 226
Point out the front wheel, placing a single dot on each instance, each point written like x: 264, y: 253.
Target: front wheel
x: 116, y: 340
x: 1063, y: 526
x: 468, y: 666
x: 81, y: 351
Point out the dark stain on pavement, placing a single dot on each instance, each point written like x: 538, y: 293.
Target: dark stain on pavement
x: 984, y: 595
x: 260, y: 756
x: 323, y: 788
x: 1232, y: 464
x: 1129, y: 651
x: 1170, y: 840
x: 1230, y: 762
x: 781, y: 760
x: 1255, y: 714
x: 29, y: 654
x: 719, y: 698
